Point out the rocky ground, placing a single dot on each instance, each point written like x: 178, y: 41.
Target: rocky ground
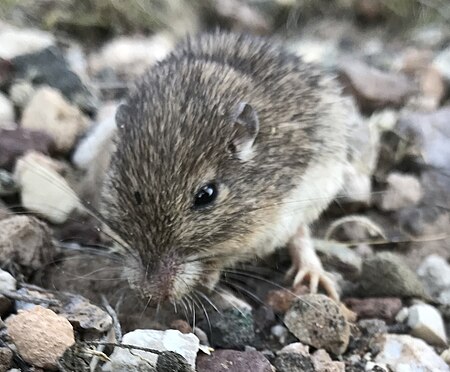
x: 63, y: 303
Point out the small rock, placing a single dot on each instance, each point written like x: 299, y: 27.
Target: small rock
x: 233, y: 361
x: 433, y: 88
x: 84, y: 315
x: 378, y: 308
x: 49, y: 67
x: 7, y: 281
x: 338, y: 257
x: 426, y: 323
x: 435, y: 274
x: 280, y: 333
x: 323, y: 362
x: 38, y: 177
x: 21, y: 93
x: 181, y: 325
x: 187, y: 345
x: 294, y: 358
x: 15, y: 142
x: 6, y: 111
x: 386, y: 275
x: 25, y: 241
x: 6, y: 356
x: 403, y: 353
x: 446, y: 356
x: 317, y: 320
x: 131, y: 56
x: 40, y: 335
x: 280, y: 300
x: 60, y: 120
x: 402, y: 315
x: 231, y: 329
x: 7, y: 184
x: 17, y: 41
x: 442, y: 63
x: 402, y: 191
x: 375, y: 89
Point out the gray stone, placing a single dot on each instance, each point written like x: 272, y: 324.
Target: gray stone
x: 231, y: 329
x: 233, y: 361
x: 187, y: 345
x: 387, y: 275
x: 426, y: 323
x: 403, y: 353
x: 402, y: 190
x: 317, y: 320
x: 339, y: 257
x: 435, y: 274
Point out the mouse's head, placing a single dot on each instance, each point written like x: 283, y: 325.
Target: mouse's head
x: 176, y: 189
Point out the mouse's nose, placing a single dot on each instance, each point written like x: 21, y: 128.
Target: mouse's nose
x: 160, y: 277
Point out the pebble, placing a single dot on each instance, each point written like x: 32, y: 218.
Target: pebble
x: 187, y: 345
x: 280, y: 300
x: 231, y: 329
x: 48, y: 67
x: 25, y: 241
x: 375, y: 89
x: 6, y: 356
x: 15, y: 142
x: 181, y: 325
x: 442, y: 63
x: 323, y: 362
x: 375, y: 308
x: 403, y: 353
x: 433, y: 88
x: 446, y: 356
x: 38, y: 177
x: 317, y: 320
x: 427, y: 135
x: 6, y: 111
x: 60, y: 120
x: 280, y: 333
x: 435, y: 274
x: 129, y: 56
x: 387, y: 275
x: 402, y: 190
x: 17, y: 41
x: 426, y: 323
x: 339, y: 257
x: 7, y: 283
x: 7, y: 184
x: 21, y: 93
x: 233, y: 361
x: 40, y: 335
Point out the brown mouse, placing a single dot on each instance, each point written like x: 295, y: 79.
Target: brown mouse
x: 226, y: 150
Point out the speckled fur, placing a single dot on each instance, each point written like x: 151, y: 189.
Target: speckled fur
x: 174, y: 136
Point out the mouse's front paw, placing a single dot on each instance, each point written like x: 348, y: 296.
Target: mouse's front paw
x: 315, y: 276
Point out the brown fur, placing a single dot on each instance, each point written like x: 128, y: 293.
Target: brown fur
x: 174, y: 136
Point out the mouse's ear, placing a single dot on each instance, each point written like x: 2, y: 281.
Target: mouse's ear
x: 122, y: 116
x: 246, y: 125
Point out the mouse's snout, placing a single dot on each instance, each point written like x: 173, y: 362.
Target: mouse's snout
x: 165, y: 278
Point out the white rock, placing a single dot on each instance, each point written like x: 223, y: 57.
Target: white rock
x: 446, y: 356
x: 435, y: 274
x: 122, y: 360
x: 49, y: 112
x: 403, y: 353
x: 370, y: 366
x: 43, y: 189
x: 130, y: 56
x: 101, y: 134
x: 7, y: 281
x: 402, y: 315
x: 6, y: 111
x: 442, y: 63
x: 426, y: 323
x: 17, y: 41
x: 21, y: 93
x: 403, y: 190
x: 279, y: 332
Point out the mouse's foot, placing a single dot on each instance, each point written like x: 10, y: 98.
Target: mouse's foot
x: 306, y: 266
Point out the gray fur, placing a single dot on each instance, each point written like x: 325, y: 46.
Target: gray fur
x: 174, y: 136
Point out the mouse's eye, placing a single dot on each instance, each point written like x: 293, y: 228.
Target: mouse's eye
x: 206, y: 195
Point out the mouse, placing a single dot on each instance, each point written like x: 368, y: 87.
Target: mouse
x: 224, y: 151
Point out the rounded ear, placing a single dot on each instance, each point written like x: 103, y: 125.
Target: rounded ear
x: 122, y: 116
x: 246, y: 125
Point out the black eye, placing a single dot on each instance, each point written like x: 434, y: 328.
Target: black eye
x: 206, y: 195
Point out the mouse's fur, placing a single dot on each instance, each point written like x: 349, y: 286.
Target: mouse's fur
x: 178, y: 131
